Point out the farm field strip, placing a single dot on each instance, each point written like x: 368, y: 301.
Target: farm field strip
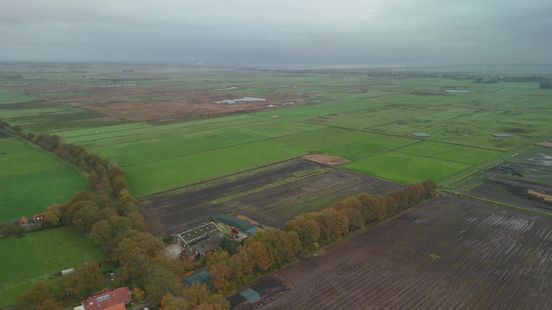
x: 31, y: 179
x: 454, y: 153
x: 484, y: 257
x: 283, y: 188
x: 407, y: 168
x: 9, y: 97
x: 356, y: 117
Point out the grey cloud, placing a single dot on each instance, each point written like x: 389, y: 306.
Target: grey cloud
x: 277, y: 32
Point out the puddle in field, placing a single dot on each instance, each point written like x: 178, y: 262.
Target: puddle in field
x: 240, y: 100
x: 458, y: 91
x: 227, y: 88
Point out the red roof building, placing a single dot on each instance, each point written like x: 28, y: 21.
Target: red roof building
x: 114, y: 299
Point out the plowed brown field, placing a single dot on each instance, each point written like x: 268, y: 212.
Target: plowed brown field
x: 448, y: 253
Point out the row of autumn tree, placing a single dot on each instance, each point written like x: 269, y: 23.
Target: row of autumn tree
x: 108, y: 214
x: 271, y: 249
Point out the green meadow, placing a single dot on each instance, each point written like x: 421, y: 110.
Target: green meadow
x: 367, y: 120
x: 31, y: 179
x: 37, y: 256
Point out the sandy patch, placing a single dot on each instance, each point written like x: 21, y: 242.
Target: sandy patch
x: 326, y: 159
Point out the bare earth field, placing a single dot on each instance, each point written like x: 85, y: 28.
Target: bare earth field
x: 269, y: 196
x: 153, y: 103
x: 448, y: 253
x: 511, y: 181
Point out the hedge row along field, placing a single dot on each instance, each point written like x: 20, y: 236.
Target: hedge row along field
x: 117, y: 229
x: 272, y: 249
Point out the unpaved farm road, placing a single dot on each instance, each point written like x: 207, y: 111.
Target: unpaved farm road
x: 448, y: 253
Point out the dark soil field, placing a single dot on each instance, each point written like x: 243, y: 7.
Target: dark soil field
x: 514, y: 194
x: 510, y: 182
x: 448, y: 253
x: 269, y: 196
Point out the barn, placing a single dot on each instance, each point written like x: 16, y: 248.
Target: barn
x: 200, y: 240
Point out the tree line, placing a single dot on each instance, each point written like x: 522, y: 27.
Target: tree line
x: 270, y: 250
x: 108, y: 214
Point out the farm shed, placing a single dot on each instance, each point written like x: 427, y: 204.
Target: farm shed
x: 251, y: 295
x: 205, y: 246
x: 235, y: 222
x: 201, y: 277
x: 113, y: 299
x: 202, y: 232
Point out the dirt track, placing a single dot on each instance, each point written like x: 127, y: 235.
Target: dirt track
x: 449, y: 253
x: 270, y: 195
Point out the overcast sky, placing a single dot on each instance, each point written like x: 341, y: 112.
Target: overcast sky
x: 311, y: 32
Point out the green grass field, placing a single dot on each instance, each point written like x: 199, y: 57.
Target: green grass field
x: 450, y: 152
x: 368, y: 120
x: 406, y: 168
x: 31, y: 179
x: 37, y: 256
x: 8, y: 96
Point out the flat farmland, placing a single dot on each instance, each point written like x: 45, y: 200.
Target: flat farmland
x: 447, y: 253
x: 510, y: 181
x: 269, y: 196
x: 31, y: 179
x: 367, y: 120
x: 407, y: 168
x: 157, y: 158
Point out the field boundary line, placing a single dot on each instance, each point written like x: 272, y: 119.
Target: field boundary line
x: 501, y: 204
x: 488, y: 164
x: 130, y: 132
x: 264, y: 139
x: 403, y: 137
x: 369, y: 175
x: 277, y: 183
x: 219, y: 177
x: 51, y: 154
x: 433, y: 157
x: 393, y: 149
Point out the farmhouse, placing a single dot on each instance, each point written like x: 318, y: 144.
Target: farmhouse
x: 113, y: 300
